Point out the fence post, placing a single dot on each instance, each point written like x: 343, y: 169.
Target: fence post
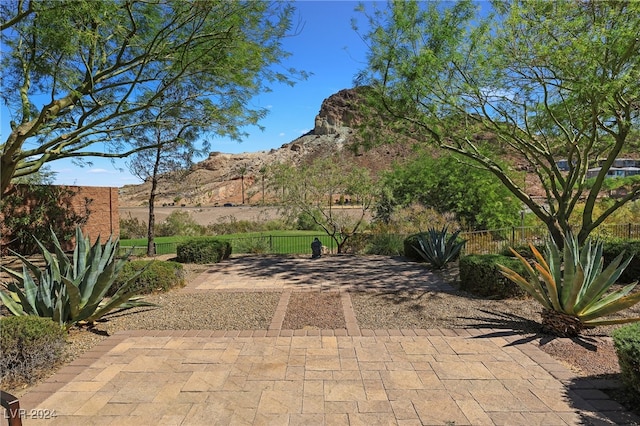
x: 629, y: 231
x: 270, y: 242
x: 513, y: 236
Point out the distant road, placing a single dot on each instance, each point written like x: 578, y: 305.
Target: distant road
x: 204, y: 215
x: 208, y: 215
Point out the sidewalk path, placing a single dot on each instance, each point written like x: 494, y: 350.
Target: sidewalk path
x: 317, y: 377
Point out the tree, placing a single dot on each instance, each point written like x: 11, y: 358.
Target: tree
x: 174, y: 130
x: 78, y: 76
x: 310, y: 191
x: 474, y: 195
x: 550, y: 80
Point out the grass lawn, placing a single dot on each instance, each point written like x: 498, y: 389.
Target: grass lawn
x: 281, y: 242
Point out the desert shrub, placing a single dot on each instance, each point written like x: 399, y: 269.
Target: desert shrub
x: 204, y: 250
x: 631, y: 248
x: 523, y: 250
x: 480, y: 275
x: 627, y: 343
x: 305, y: 222
x: 132, y: 227
x: 179, y: 223
x: 254, y: 245
x: 29, y: 212
x: 410, y: 243
x: 30, y: 346
x: 154, y: 275
x: 386, y: 244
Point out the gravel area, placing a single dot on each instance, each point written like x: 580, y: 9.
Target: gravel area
x: 313, y: 310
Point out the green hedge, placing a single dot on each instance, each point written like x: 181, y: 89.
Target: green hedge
x: 480, y: 275
x: 203, y: 250
x: 158, y: 276
x: 30, y: 347
x: 627, y: 343
x: 630, y: 247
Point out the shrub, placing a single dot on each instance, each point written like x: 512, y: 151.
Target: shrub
x: 69, y: 291
x: 132, y: 227
x: 410, y: 244
x: 179, y: 223
x: 254, y: 245
x: 613, y: 249
x: 573, y: 287
x: 305, y: 222
x: 627, y: 343
x: 149, y: 276
x: 386, y: 244
x: 480, y: 275
x: 30, y: 346
x: 204, y: 250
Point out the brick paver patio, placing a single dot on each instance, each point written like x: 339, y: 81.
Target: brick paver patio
x: 307, y: 377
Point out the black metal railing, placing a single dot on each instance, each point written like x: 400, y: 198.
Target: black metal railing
x: 478, y: 242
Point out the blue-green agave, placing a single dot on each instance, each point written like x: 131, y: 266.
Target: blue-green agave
x: 573, y: 288
x: 70, y: 290
x: 438, y: 249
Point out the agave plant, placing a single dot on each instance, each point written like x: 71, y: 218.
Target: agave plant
x: 573, y: 289
x: 438, y: 249
x: 70, y: 291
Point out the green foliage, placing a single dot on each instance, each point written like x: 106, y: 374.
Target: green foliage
x: 139, y: 57
x: 627, y: 343
x: 480, y: 275
x: 29, y: 346
x: 132, y: 227
x: 465, y: 76
x: 574, y: 284
x: 180, y: 223
x: 614, y: 248
x: 149, y: 276
x: 32, y: 210
x: 386, y: 244
x: 69, y: 291
x: 475, y: 196
x: 305, y: 222
x: 254, y: 245
x: 311, y: 191
x: 203, y: 250
x: 438, y: 248
x: 410, y: 243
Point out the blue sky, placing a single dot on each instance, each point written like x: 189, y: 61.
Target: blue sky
x: 327, y: 47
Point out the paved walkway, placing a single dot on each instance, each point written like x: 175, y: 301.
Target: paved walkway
x: 309, y: 377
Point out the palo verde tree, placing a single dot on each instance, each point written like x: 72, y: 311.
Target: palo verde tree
x: 550, y: 80
x: 312, y: 190
x: 478, y: 200
x: 78, y: 76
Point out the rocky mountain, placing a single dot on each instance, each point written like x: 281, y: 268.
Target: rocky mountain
x: 218, y: 179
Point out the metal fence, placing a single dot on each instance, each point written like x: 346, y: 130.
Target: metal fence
x: 498, y: 240
x: 478, y: 242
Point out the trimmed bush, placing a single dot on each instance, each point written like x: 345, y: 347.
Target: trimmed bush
x: 158, y: 276
x: 410, y: 244
x: 30, y: 347
x: 480, y: 275
x: 627, y: 343
x: 204, y: 250
x: 629, y: 247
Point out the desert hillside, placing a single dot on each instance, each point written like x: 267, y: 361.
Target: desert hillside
x: 217, y: 179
